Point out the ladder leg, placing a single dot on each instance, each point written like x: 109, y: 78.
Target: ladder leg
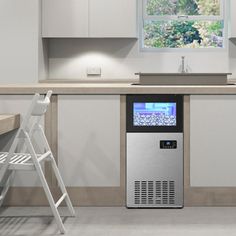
x: 50, y: 199
x: 56, y: 171
x: 45, y: 185
x: 62, y: 186
x: 6, y: 183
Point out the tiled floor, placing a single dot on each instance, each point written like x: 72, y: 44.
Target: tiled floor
x: 118, y: 221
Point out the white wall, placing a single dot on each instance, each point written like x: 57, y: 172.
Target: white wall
x: 121, y: 58
x: 19, y: 41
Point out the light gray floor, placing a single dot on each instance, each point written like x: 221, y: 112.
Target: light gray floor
x: 118, y: 221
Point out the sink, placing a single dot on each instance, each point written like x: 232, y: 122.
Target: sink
x: 183, y: 78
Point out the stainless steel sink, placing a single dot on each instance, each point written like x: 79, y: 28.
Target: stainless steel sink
x: 183, y: 78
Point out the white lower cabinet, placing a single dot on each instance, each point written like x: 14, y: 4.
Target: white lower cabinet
x: 17, y: 104
x: 213, y: 140
x: 89, y: 140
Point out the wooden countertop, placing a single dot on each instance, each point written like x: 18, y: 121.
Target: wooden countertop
x: 113, y: 88
x: 9, y: 123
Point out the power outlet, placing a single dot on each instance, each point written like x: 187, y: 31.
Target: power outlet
x: 94, y: 71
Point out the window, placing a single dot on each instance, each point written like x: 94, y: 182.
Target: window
x: 183, y: 24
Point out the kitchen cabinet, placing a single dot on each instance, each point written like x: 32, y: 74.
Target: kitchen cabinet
x: 113, y: 18
x: 65, y: 18
x: 89, y: 140
x: 213, y: 140
x: 22, y: 58
x: 89, y: 18
x: 232, y: 18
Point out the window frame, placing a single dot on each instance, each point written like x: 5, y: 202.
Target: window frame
x: 145, y: 17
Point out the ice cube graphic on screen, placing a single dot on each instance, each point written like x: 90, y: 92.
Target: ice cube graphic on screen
x: 154, y: 114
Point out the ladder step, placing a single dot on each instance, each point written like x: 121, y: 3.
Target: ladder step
x: 43, y: 156
x: 60, y: 200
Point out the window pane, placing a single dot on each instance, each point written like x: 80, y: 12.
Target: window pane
x: 161, y: 7
x: 183, y: 34
x: 183, y: 7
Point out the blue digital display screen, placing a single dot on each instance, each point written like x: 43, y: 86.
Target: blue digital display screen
x: 154, y: 114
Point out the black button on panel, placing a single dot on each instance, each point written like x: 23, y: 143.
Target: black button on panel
x: 168, y: 144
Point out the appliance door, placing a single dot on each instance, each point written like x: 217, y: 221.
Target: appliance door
x: 154, y: 113
x: 154, y: 170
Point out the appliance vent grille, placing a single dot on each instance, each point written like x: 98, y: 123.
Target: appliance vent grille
x: 154, y: 192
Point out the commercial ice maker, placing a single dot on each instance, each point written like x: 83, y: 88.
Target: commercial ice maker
x: 154, y: 151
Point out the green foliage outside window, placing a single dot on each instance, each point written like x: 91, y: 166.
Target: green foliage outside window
x: 183, y: 33
x: 172, y: 7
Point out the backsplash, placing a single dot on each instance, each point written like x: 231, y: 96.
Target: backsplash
x: 121, y: 58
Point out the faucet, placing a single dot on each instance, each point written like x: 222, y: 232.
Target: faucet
x: 183, y: 69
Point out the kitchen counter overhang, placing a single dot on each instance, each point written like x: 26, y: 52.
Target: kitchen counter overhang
x: 114, y: 88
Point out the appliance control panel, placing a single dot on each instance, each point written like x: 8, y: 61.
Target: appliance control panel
x: 168, y: 144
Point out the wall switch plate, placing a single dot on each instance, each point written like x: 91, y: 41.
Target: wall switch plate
x: 94, y: 71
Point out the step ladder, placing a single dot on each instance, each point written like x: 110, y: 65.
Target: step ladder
x: 27, y: 159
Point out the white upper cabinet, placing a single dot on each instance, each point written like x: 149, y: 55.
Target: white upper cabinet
x: 232, y: 29
x: 65, y: 18
x: 20, y: 45
x: 113, y: 18
x: 89, y: 18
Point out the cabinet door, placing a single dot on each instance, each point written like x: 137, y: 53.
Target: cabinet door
x: 213, y: 140
x: 19, y: 41
x: 113, y: 18
x: 89, y: 140
x: 65, y: 18
x: 232, y: 29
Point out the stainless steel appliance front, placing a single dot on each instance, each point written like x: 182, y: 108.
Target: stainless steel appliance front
x: 154, y: 170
